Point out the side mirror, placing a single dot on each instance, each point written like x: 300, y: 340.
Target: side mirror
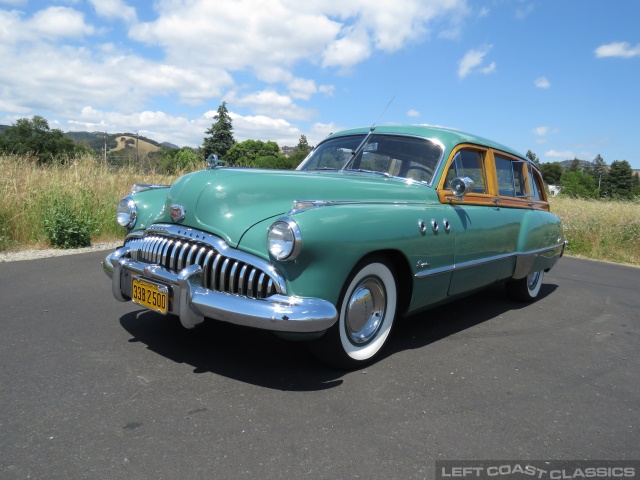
x: 460, y: 186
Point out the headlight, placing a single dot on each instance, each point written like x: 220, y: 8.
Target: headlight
x: 126, y: 212
x: 284, y: 239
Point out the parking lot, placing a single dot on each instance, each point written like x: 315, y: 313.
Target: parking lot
x: 93, y: 388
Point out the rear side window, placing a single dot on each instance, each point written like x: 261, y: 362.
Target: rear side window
x: 516, y: 178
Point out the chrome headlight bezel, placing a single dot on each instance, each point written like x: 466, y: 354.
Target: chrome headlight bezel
x: 126, y: 212
x: 284, y: 239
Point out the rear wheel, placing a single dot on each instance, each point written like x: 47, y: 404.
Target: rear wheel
x: 525, y: 289
x: 367, y: 310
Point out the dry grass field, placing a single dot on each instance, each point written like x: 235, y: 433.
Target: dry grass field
x: 600, y: 230
x: 128, y: 143
x: 91, y: 187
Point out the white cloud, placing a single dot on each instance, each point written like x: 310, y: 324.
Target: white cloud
x: 245, y: 33
x: 349, y: 50
x: 264, y: 127
x: 474, y: 59
x: 115, y: 9
x: 270, y: 102
x: 327, y: 90
x: 618, y: 49
x: 542, y: 82
x: 413, y: 113
x: 50, y: 67
x: 302, y: 88
x: 543, y: 131
x: 58, y: 22
x: 488, y: 69
x: 567, y: 154
x: 524, y: 11
x: 319, y: 131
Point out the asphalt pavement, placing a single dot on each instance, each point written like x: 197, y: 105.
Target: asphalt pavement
x: 91, y: 388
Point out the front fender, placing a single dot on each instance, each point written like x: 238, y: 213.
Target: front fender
x: 151, y: 207
x: 336, y: 238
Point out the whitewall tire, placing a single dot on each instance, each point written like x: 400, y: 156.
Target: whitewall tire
x: 367, y: 311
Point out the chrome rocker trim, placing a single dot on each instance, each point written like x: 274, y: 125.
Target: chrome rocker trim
x: 192, y: 303
x: 526, y: 262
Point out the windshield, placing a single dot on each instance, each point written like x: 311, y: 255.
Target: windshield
x: 392, y: 155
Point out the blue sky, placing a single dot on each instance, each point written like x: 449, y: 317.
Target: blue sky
x: 560, y: 78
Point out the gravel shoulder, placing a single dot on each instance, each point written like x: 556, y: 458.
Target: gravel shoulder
x: 55, y: 252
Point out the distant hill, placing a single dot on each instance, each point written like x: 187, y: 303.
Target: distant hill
x: 169, y: 145
x: 566, y: 164
x: 114, y: 141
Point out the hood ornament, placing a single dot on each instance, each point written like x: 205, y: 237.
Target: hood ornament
x: 177, y: 213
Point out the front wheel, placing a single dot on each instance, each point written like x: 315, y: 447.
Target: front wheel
x: 525, y: 289
x: 367, y: 310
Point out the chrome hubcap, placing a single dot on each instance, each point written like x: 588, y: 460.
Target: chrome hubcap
x: 533, y: 280
x: 365, y: 311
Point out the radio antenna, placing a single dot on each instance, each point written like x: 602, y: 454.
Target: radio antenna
x: 373, y: 127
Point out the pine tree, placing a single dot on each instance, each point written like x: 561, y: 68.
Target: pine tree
x: 619, y: 180
x: 221, y: 134
x: 598, y: 170
x: 533, y: 157
x: 301, y: 151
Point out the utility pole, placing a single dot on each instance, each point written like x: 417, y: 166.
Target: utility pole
x: 105, y: 146
x: 136, y: 147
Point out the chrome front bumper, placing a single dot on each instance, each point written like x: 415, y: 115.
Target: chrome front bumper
x: 192, y: 302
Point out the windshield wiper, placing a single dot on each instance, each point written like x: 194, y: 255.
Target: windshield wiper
x: 375, y: 172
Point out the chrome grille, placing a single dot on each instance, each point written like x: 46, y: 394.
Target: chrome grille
x: 221, y: 273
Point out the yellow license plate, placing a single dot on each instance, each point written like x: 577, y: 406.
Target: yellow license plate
x: 150, y: 295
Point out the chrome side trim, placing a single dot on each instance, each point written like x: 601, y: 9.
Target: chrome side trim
x: 524, y: 261
x: 142, y: 187
x: 310, y: 204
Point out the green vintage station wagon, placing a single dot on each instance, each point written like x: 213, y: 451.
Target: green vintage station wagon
x: 375, y: 223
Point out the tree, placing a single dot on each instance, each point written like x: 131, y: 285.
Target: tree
x: 636, y: 185
x: 551, y: 172
x: 34, y: 137
x: 180, y: 160
x: 574, y: 166
x: 619, y: 182
x: 577, y: 184
x: 533, y: 157
x: 301, y: 151
x: 598, y: 170
x: 256, y: 153
x: 221, y: 134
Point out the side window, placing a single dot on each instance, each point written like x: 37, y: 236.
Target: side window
x: 516, y: 178
x: 513, y: 177
x: 468, y: 163
x: 536, y: 187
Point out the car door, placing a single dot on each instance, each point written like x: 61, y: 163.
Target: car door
x: 485, y: 232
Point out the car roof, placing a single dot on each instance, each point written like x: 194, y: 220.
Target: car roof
x: 448, y: 137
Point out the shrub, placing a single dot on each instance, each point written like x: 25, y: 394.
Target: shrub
x: 64, y: 227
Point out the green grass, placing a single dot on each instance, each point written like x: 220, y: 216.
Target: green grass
x: 89, y: 190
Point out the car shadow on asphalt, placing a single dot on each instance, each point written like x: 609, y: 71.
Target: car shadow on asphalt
x: 260, y: 358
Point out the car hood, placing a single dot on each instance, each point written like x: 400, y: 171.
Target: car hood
x: 229, y: 201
